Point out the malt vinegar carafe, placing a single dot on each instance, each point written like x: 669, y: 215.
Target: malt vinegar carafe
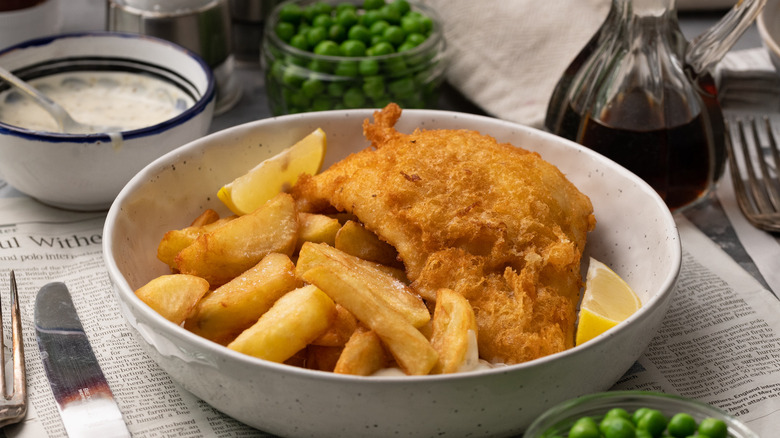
x: 642, y: 95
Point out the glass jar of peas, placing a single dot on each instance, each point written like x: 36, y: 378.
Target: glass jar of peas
x: 640, y: 414
x: 341, y: 54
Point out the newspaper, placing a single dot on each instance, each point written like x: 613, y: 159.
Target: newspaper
x: 720, y: 342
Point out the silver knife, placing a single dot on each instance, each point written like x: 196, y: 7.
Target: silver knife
x: 85, y: 401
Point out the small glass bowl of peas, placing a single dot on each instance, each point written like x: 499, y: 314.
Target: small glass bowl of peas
x: 636, y: 414
x: 342, y: 54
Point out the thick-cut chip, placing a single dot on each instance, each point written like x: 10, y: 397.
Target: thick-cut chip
x: 176, y: 240
x: 355, y: 240
x: 208, y: 216
x: 317, y: 228
x: 340, y: 331
x: 173, y: 296
x: 409, y: 347
x: 363, y: 355
x: 453, y: 318
x: 393, y: 292
x: 322, y: 358
x: 296, y: 319
x: 231, y: 249
x: 233, y: 307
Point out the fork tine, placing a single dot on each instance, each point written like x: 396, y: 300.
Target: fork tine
x: 736, y: 142
x: 20, y: 374
x: 758, y: 189
x: 773, y: 184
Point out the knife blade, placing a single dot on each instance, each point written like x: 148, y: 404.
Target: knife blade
x: 84, y: 399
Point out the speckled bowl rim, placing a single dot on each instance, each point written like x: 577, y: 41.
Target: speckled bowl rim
x: 126, y: 291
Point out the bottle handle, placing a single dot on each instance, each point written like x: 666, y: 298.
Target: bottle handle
x: 711, y: 46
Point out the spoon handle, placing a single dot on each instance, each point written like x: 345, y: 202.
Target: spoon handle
x: 59, y: 113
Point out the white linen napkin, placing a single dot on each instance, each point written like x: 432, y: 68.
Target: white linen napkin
x: 507, y: 56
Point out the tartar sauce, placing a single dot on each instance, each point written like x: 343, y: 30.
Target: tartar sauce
x: 128, y: 100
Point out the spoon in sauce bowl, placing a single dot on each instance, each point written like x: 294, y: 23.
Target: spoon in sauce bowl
x: 65, y: 122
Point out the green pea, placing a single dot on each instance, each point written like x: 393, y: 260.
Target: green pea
x: 354, y: 98
x: 374, y: 87
x: 376, y: 39
x: 412, y: 24
x: 382, y: 48
x: 345, y: 6
x: 653, y: 421
x: 368, y: 67
x: 292, y: 78
x: 403, y: 87
x: 346, y: 68
x: 321, y: 103
x: 327, y: 48
x: 402, y: 6
x: 395, y: 66
x: 427, y: 23
x: 617, y: 412
x: 681, y: 425
x: 312, y: 87
x: 395, y: 35
x: 299, y: 99
x: 320, y: 66
x: 405, y: 46
x: 382, y: 102
x: 277, y: 70
x: 285, y: 30
x: 320, y: 8
x: 713, y: 427
x: 390, y: 14
x: 347, y: 18
x: 378, y: 27
x: 316, y: 35
x: 322, y: 20
x: 585, y: 427
x: 337, y: 33
x: 617, y: 427
x: 370, y: 17
x: 291, y: 13
x: 336, y: 89
x: 373, y: 4
x: 644, y: 434
x: 300, y: 42
x: 353, y: 48
x: 415, y: 38
x: 360, y: 33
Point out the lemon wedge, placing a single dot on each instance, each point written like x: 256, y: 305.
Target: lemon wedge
x: 276, y: 174
x: 607, y: 301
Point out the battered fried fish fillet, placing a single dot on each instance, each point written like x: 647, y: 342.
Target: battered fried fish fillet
x: 492, y: 221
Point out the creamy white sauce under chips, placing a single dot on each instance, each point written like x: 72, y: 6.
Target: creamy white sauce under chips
x: 129, y: 100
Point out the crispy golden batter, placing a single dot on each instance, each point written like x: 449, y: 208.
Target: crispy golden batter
x: 492, y: 221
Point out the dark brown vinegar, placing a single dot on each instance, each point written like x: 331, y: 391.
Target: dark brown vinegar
x: 676, y: 162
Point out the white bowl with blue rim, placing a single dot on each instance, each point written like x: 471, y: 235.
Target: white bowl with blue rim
x: 86, y: 171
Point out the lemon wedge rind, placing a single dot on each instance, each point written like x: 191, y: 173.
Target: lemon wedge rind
x: 274, y: 175
x: 607, y: 301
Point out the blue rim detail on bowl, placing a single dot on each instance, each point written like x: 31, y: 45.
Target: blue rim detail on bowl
x: 54, y: 137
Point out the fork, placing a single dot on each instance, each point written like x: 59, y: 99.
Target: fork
x: 756, y: 182
x: 13, y: 406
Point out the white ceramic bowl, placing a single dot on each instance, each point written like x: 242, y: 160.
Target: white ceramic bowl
x: 636, y: 235
x: 87, y: 171
x: 768, y: 24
